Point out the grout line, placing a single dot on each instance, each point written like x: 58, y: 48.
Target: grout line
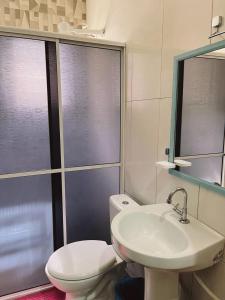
x: 157, y: 155
x: 161, y: 52
x: 130, y: 135
x: 150, y: 99
x: 126, y: 136
x: 147, y: 99
x: 170, y: 98
x: 211, y: 30
x: 131, y: 64
x: 131, y: 76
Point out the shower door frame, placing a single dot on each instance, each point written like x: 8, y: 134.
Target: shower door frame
x: 89, y: 42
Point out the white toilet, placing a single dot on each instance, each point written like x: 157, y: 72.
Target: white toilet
x: 88, y: 270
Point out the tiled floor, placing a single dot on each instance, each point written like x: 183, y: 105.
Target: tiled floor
x: 51, y: 294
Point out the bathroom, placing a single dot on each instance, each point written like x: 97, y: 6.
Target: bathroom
x: 143, y: 37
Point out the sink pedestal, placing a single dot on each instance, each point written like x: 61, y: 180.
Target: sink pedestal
x: 160, y: 285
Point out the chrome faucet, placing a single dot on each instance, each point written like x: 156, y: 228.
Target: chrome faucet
x: 182, y: 212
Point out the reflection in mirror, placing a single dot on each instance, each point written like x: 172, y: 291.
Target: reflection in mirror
x: 201, y: 116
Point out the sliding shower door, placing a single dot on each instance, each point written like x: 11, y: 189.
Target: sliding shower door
x: 26, y: 237
x: 90, y: 84
x: 26, y: 226
x: 24, y: 132
x: 90, y: 87
x: 60, y: 124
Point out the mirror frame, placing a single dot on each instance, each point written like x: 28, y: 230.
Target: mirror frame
x: 177, y: 60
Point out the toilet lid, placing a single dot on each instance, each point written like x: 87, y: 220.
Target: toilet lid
x: 81, y: 260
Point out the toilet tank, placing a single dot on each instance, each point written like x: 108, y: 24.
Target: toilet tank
x: 119, y: 202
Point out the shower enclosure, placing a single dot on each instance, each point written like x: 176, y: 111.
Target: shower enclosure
x: 60, y: 150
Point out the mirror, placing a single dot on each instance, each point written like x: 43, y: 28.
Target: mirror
x: 198, y: 119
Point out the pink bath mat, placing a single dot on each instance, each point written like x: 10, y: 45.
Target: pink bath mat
x: 51, y: 294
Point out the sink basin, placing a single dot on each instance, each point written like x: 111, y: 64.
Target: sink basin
x: 153, y: 236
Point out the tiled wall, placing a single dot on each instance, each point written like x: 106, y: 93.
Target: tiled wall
x: 42, y: 15
x: 155, y: 31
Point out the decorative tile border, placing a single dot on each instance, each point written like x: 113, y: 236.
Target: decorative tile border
x: 42, y: 15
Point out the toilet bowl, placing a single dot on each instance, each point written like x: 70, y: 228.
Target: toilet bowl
x: 88, y: 270
x: 85, y: 270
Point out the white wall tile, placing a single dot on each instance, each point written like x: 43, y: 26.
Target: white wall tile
x: 137, y: 24
x: 165, y: 182
x: 127, y: 145
x: 186, y: 25
x: 140, y: 169
x: 212, y: 209
x: 146, y: 74
x: 129, y: 73
x: 212, y: 278
x: 198, y: 293
x: 164, y: 127
x: 140, y: 26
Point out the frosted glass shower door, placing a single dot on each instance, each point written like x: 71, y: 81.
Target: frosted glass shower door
x: 91, y: 88
x: 24, y: 128
x: 26, y: 237
x: 60, y: 133
x: 90, y: 81
x: 26, y: 205
x: 87, y: 194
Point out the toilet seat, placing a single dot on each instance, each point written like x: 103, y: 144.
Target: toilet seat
x: 81, y: 260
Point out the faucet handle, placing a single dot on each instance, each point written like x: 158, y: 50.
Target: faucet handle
x: 177, y: 209
x: 175, y: 206
x: 182, y: 212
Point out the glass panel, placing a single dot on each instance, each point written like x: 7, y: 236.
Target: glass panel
x: 207, y: 168
x: 26, y: 235
x: 90, y: 79
x: 24, y: 134
x: 203, y: 111
x: 87, y: 203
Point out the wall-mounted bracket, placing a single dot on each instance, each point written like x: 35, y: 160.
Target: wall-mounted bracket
x: 167, y: 151
x: 165, y: 165
x: 217, y: 21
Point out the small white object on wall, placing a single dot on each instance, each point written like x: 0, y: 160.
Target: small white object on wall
x: 64, y: 27
x: 217, y: 21
x: 182, y: 163
x: 177, y: 162
x: 165, y: 164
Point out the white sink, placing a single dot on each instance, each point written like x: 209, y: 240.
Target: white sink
x: 153, y: 236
